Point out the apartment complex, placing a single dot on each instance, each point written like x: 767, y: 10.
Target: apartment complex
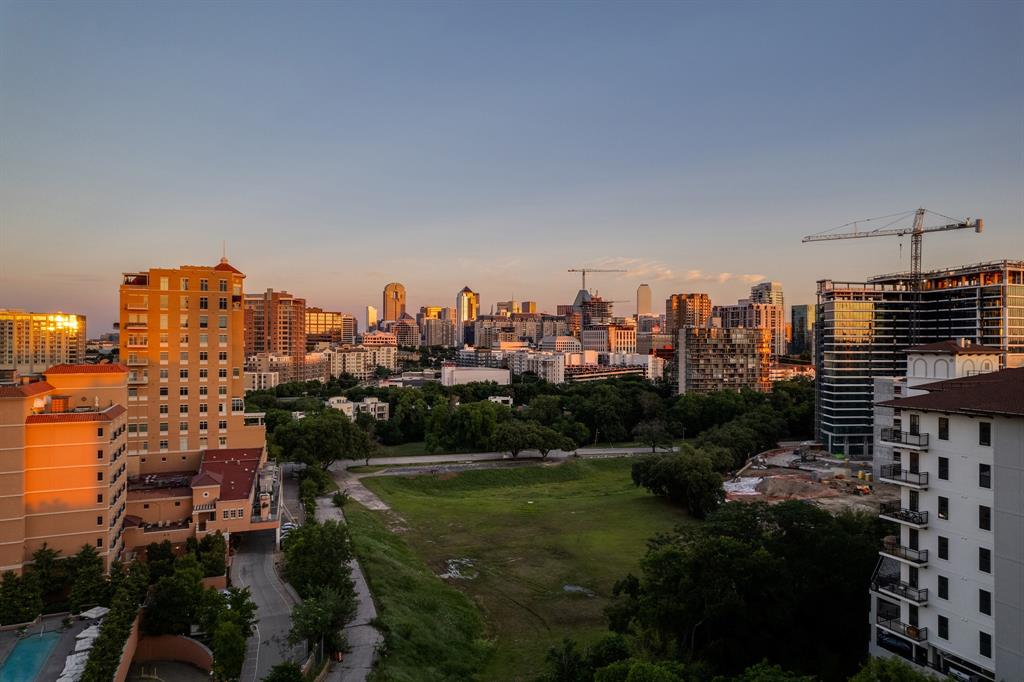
x: 439, y: 332
x: 686, y: 310
x: 361, y: 362
x: 406, y: 331
x: 863, y: 329
x: 64, y: 471
x: 323, y: 326
x: 746, y: 313
x: 33, y: 342
x: 275, y: 322
x: 718, y: 358
x: 549, y: 366
x: 946, y: 594
x: 394, y: 301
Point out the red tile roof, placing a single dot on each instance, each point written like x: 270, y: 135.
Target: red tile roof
x: 224, y: 265
x: 206, y: 478
x: 236, y: 468
x: 995, y: 393
x: 953, y: 348
x: 87, y: 369
x: 25, y: 390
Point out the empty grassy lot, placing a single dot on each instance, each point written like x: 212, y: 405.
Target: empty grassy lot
x: 528, y: 533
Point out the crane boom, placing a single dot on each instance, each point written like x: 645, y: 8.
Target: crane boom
x: 584, y: 271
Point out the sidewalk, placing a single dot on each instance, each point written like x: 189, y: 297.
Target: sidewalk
x: 363, y: 638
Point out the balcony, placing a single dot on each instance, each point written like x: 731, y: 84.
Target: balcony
x: 137, y: 362
x: 897, y: 627
x: 893, y: 473
x: 900, y: 590
x: 914, y: 557
x: 137, y: 378
x: 918, y: 441
x: 892, y: 511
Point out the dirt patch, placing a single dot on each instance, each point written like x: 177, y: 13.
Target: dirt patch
x: 793, y: 486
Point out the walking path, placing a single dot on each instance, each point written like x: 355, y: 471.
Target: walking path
x: 363, y: 638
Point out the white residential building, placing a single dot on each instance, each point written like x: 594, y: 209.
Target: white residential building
x: 948, y: 593
x: 453, y: 376
x: 261, y: 381
x: 561, y: 344
x: 375, y: 407
x: 549, y: 366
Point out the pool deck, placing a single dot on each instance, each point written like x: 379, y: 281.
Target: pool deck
x: 65, y: 645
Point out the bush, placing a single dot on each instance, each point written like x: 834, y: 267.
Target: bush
x: 105, y: 655
x: 340, y: 499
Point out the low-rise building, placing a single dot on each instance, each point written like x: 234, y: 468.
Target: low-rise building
x: 453, y: 376
x: 561, y: 344
x: 549, y: 366
x: 375, y: 407
x: 261, y: 381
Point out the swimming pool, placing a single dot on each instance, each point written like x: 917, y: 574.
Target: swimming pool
x: 27, y: 657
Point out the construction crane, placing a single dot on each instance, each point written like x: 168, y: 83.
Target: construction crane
x: 584, y: 271
x: 916, y: 231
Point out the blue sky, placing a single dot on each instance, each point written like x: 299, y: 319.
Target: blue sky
x: 340, y: 146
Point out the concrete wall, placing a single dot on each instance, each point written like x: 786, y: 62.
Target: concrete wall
x: 129, y: 652
x: 173, y: 648
x: 1008, y: 526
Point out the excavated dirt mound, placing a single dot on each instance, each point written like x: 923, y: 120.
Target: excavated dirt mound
x: 793, y: 487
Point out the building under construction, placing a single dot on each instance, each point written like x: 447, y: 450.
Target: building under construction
x: 863, y: 329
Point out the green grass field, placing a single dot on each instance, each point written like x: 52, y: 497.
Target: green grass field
x: 528, y: 532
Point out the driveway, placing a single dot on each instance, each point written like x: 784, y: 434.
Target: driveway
x: 253, y: 567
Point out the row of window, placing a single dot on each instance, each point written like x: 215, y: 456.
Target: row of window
x: 183, y: 426
x: 984, y: 555
x: 984, y: 472
x: 204, y: 356
x: 984, y: 513
x: 984, y: 429
x: 143, y: 446
x: 984, y: 596
x: 984, y: 638
x: 234, y: 513
x: 204, y: 284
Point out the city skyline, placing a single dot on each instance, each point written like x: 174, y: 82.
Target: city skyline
x: 693, y: 145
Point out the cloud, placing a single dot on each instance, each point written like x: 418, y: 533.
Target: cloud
x: 652, y: 270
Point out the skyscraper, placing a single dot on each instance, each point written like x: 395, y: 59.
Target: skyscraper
x: 467, y: 309
x: 324, y: 326
x: 394, y: 301
x: 802, y: 317
x: 643, y: 300
x: 767, y: 292
x: 371, y: 318
x: 33, y: 342
x: 750, y: 315
x: 862, y: 331
x: 686, y: 310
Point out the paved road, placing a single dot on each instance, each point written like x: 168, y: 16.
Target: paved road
x: 583, y: 453
x: 363, y: 638
x: 253, y: 567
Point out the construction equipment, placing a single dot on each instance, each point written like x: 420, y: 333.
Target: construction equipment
x: 916, y: 231
x: 584, y: 271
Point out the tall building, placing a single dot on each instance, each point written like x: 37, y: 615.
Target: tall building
x: 528, y: 306
x: 438, y: 332
x: 802, y: 317
x: 183, y: 341
x: 275, y: 323
x: 767, y: 292
x: 467, y: 309
x: 863, y: 329
x: 686, y: 310
x: 371, y: 318
x: 508, y: 307
x: 33, y: 342
x: 747, y: 313
x: 643, y: 300
x: 63, y: 469
x: 946, y: 594
x: 717, y: 359
x: 394, y: 301
x: 323, y: 326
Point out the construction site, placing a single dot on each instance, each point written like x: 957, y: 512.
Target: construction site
x: 805, y: 471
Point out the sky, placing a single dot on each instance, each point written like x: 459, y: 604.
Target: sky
x: 335, y: 147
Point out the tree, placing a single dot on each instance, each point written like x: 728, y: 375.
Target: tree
x: 320, y: 617
x: 285, y: 672
x: 20, y: 599
x: 212, y: 551
x: 514, y: 436
x: 50, y: 573
x: 546, y: 410
x: 887, y: 670
x: 241, y: 608
x: 653, y: 432
x: 546, y: 439
x: 567, y: 664
x: 228, y: 650
x: 89, y: 586
x: 767, y: 672
x: 160, y: 558
x: 174, y: 600
x: 317, y: 555
x: 321, y: 439
x: 687, y: 478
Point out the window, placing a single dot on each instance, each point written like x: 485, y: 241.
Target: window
x: 99, y: 499
x: 222, y: 390
x: 204, y: 285
x: 163, y: 374
x: 943, y: 627
x: 984, y: 517
x: 226, y: 513
x: 204, y: 374
x: 99, y: 432
x: 163, y: 391
x: 163, y: 445
x: 203, y: 356
x: 182, y: 409
x: 203, y: 390
x: 943, y: 507
x: 222, y: 340
x: 984, y: 560
x: 222, y: 303
x: 204, y: 303
x: 99, y: 453
x: 985, y: 475
x: 222, y: 441
x: 985, y: 644
x: 99, y: 520
x: 184, y: 283
x: 99, y: 542
x: 222, y: 321
x: 183, y: 391
x: 177, y: 504
x: 985, y: 602
x: 222, y: 356
x: 99, y: 475
x: 943, y: 587
x: 943, y: 428
x: 222, y: 425
x: 984, y: 433
x: 222, y: 373
x: 183, y: 356
x: 163, y: 410
x: 203, y: 339
x: 943, y: 547
x: 915, y: 424
x: 183, y: 374
x: 204, y: 322
x: 944, y: 468
x: 202, y: 426
x: 164, y: 284
x: 222, y: 285
x: 203, y: 408
x: 183, y: 427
